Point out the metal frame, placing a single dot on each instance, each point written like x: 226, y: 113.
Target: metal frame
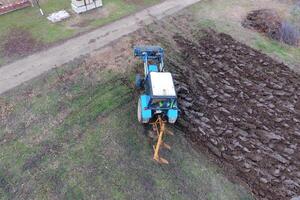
x: 152, y: 53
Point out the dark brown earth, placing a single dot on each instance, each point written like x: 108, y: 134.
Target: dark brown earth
x: 266, y: 21
x: 20, y: 42
x: 244, y: 107
x: 271, y: 24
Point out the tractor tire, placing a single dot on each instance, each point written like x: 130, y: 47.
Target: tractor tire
x: 139, y: 111
x: 138, y: 81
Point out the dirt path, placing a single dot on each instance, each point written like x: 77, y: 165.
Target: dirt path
x: 25, y: 69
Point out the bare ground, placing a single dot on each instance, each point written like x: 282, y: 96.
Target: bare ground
x: 19, y: 42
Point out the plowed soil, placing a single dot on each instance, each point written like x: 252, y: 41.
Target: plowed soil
x: 244, y: 107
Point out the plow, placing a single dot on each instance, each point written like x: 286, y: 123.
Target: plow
x: 159, y: 127
x: 157, y: 105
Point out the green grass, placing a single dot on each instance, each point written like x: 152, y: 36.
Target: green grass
x: 1, y: 61
x: 288, y: 54
x: 98, y: 150
x: 30, y: 19
x: 120, y: 9
x: 207, y: 23
x: 272, y: 47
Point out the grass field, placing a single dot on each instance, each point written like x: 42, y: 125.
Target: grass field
x: 31, y: 20
x: 72, y: 134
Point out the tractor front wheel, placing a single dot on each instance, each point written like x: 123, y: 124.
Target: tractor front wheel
x: 139, y: 81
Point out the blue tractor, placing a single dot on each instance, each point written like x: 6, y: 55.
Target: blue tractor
x: 159, y: 96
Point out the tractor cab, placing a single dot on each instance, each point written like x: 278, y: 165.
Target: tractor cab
x: 163, y: 100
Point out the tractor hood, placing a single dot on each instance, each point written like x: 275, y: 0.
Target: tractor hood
x: 162, y: 84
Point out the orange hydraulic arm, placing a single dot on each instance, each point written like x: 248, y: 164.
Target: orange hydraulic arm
x: 160, y: 127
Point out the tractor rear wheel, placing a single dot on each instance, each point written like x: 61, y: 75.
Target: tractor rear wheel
x: 139, y: 111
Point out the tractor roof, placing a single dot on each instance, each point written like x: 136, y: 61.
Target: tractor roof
x: 162, y: 84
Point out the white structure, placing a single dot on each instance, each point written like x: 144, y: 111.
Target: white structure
x: 81, y: 6
x: 162, y: 84
x: 58, y: 16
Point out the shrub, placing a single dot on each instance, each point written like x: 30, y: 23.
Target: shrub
x: 289, y: 33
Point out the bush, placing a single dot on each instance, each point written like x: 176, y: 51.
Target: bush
x: 289, y: 33
x: 271, y: 24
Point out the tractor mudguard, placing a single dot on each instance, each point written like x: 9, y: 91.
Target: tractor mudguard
x: 172, y: 116
x: 146, y: 114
